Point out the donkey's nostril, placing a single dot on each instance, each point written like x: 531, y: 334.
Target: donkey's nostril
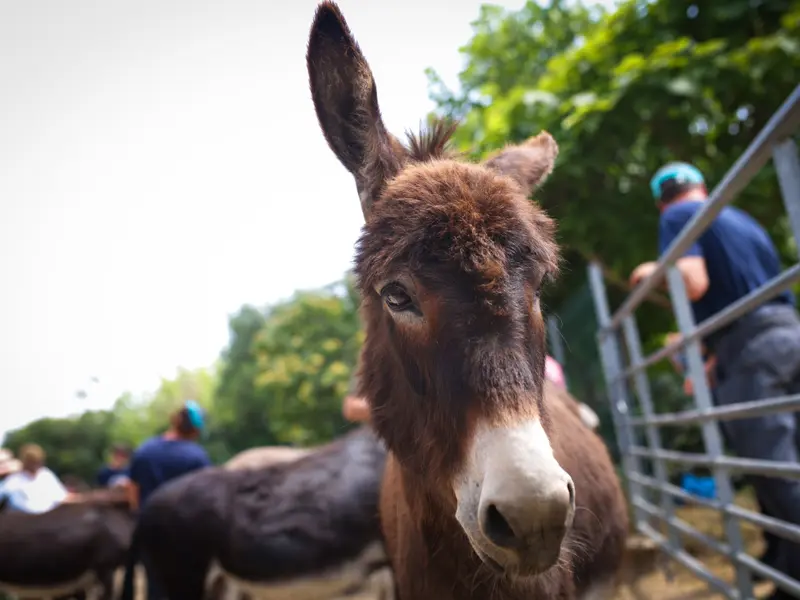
x: 497, y: 529
x: 571, y: 489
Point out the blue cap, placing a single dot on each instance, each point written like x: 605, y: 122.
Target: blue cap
x: 195, y: 414
x: 682, y: 173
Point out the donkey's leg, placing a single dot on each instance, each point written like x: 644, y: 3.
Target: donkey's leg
x: 383, y: 584
x: 105, y: 588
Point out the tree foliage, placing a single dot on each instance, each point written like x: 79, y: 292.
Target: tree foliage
x: 137, y: 418
x: 306, y: 353
x: 624, y: 92
x: 287, y: 369
x: 281, y: 380
x: 238, y: 407
x: 75, y: 446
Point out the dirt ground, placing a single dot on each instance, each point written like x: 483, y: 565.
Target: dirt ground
x: 644, y: 577
x: 648, y: 581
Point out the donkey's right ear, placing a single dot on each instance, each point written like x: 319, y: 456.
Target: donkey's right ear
x: 346, y: 101
x: 529, y: 163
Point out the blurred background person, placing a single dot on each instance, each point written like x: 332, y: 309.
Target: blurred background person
x: 163, y: 458
x: 355, y: 408
x: 115, y: 472
x: 8, y: 464
x: 34, y: 488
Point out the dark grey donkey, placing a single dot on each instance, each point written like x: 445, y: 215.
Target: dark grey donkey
x: 304, y: 529
x: 70, y: 551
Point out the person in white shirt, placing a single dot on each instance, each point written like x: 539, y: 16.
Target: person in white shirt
x: 8, y: 464
x: 35, y: 488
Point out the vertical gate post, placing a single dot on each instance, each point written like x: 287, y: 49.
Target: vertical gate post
x: 787, y: 165
x: 653, y: 435
x: 557, y: 345
x: 711, y: 434
x: 611, y: 358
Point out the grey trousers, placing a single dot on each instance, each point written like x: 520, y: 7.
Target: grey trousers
x: 760, y: 359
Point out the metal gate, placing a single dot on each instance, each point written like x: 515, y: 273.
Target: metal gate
x: 652, y: 496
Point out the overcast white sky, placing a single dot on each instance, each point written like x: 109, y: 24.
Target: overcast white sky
x: 157, y: 160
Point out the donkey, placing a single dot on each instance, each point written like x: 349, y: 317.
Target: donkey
x: 583, y: 411
x: 253, y: 458
x: 305, y: 529
x: 258, y: 458
x: 493, y: 488
x: 72, y: 550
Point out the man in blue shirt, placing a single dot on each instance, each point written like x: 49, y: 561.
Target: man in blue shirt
x: 115, y: 473
x: 758, y: 355
x: 163, y: 458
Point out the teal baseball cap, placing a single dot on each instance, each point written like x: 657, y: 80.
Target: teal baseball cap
x: 680, y: 172
x: 196, y: 414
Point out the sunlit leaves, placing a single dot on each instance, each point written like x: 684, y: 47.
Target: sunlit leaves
x: 305, y: 354
x: 281, y: 380
x: 627, y: 91
x: 651, y: 82
x: 75, y: 446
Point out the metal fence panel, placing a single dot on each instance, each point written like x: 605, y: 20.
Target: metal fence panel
x: 626, y: 381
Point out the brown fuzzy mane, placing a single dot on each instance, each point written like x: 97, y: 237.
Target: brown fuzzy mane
x: 432, y: 142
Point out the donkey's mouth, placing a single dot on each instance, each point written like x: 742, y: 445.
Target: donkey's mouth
x: 514, y: 569
x: 491, y: 563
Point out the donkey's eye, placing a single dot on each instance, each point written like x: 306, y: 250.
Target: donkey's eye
x: 396, y: 298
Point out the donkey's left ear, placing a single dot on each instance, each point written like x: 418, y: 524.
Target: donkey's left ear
x: 346, y: 101
x: 529, y: 163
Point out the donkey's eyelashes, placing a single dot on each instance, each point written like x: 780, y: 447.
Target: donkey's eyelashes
x: 396, y: 298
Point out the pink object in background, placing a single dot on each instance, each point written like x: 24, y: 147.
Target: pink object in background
x: 553, y: 372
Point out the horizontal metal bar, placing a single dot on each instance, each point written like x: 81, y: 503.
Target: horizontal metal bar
x: 782, y: 124
x: 787, y: 583
x: 689, y: 562
x: 683, y: 527
x: 674, y: 490
x: 780, y: 579
x: 743, y: 410
x: 744, y: 465
x: 783, y: 529
x: 773, y: 288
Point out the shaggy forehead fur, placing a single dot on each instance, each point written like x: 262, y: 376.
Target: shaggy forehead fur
x: 465, y: 242
x: 456, y: 218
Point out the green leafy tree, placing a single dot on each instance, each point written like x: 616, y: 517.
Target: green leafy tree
x: 286, y: 370
x: 281, y: 380
x: 138, y: 418
x: 623, y: 92
x: 239, y: 405
x: 306, y: 353
x: 75, y: 446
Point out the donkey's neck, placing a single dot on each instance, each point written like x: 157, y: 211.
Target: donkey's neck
x: 440, y: 563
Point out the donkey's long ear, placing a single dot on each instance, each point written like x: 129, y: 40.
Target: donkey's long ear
x: 528, y: 164
x: 346, y: 101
